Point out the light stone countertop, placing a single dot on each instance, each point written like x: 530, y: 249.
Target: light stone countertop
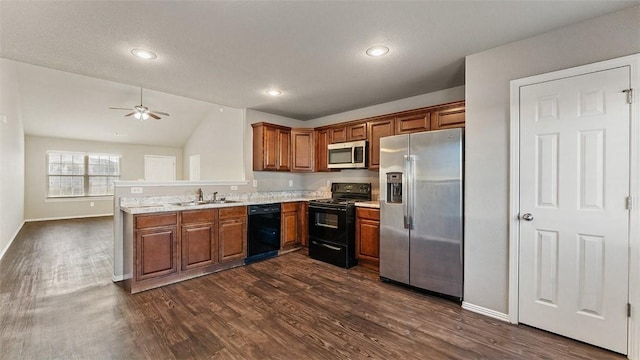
x: 369, y: 204
x: 165, y: 207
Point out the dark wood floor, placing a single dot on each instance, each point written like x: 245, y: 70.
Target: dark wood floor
x: 58, y: 302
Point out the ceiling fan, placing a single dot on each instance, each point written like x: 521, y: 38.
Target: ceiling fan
x: 142, y: 112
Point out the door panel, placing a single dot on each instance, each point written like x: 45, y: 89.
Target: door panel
x: 436, y: 209
x: 574, y: 180
x: 394, y: 238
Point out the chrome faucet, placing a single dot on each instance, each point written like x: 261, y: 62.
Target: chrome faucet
x: 200, y: 195
x: 214, y: 196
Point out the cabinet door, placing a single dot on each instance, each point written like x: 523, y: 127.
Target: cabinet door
x: 302, y: 141
x: 322, y: 140
x: 357, y: 132
x: 271, y: 150
x: 271, y: 147
x: 198, y: 246
x: 232, y: 239
x: 413, y: 122
x: 338, y: 134
x: 289, y: 226
x: 156, y: 252
x: 368, y: 237
x: 284, y: 150
x: 448, y: 117
x: 377, y: 130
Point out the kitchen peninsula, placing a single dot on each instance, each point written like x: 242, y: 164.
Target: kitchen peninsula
x: 167, y: 239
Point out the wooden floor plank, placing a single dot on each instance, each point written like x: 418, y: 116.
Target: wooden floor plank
x: 57, y: 301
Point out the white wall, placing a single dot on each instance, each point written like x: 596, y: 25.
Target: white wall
x: 414, y: 102
x: 218, y: 139
x: 11, y: 156
x: 487, y: 135
x: 131, y: 168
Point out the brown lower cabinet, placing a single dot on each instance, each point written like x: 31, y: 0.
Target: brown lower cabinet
x: 198, y: 238
x: 156, y: 252
x: 233, y: 234
x: 293, y: 225
x: 165, y: 248
x: 368, y: 237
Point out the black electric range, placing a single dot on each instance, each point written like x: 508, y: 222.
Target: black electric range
x: 332, y: 224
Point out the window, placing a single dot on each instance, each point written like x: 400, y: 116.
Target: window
x: 76, y: 174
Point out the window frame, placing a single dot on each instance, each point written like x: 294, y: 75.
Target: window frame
x: 86, y: 177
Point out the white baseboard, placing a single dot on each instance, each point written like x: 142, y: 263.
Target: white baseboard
x: 117, y: 278
x: 4, y: 250
x: 486, y: 312
x: 68, y: 217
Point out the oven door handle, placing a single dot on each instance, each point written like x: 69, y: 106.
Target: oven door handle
x: 320, y: 207
x: 335, y: 248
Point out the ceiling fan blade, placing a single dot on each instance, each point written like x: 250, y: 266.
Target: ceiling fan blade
x: 153, y: 115
x: 160, y: 112
x: 118, y: 108
x: 131, y: 113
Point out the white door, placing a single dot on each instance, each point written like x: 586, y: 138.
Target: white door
x: 574, y: 183
x: 194, y: 167
x: 159, y: 168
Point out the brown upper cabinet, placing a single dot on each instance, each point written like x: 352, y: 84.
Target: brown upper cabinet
x: 322, y: 141
x: 302, y: 150
x: 279, y: 148
x: 348, y: 132
x: 448, y: 117
x: 271, y: 147
x: 415, y: 121
x: 378, y: 129
x: 337, y: 134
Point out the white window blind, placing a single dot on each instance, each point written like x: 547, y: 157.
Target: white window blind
x: 78, y: 174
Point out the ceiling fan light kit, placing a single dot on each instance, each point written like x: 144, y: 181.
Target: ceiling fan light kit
x: 142, y: 112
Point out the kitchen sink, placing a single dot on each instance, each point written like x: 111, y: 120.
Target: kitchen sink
x: 204, y: 202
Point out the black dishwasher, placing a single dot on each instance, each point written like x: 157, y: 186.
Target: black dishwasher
x: 263, y: 238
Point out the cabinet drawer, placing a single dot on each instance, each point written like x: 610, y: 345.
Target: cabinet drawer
x: 149, y: 221
x: 289, y: 206
x: 372, y: 214
x: 236, y: 211
x: 199, y: 216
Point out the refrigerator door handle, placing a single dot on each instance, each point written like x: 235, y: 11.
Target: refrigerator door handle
x: 412, y: 190
x: 405, y: 201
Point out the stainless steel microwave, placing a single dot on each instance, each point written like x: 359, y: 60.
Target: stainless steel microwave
x: 349, y: 155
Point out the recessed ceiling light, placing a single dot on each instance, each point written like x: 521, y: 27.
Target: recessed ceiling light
x: 274, y: 92
x: 120, y: 134
x: 144, y: 54
x: 377, y: 51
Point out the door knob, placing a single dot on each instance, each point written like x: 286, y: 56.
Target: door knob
x: 527, y: 217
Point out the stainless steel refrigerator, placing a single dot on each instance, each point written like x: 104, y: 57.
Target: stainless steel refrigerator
x: 421, y: 210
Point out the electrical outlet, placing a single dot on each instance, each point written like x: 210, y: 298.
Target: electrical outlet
x: 290, y: 183
x: 255, y: 183
x: 136, y: 190
x: 92, y: 204
x: 234, y: 187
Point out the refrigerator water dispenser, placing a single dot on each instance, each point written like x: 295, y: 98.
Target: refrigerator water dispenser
x: 394, y: 187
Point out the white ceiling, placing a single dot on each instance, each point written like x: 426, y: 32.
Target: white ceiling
x: 230, y: 53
